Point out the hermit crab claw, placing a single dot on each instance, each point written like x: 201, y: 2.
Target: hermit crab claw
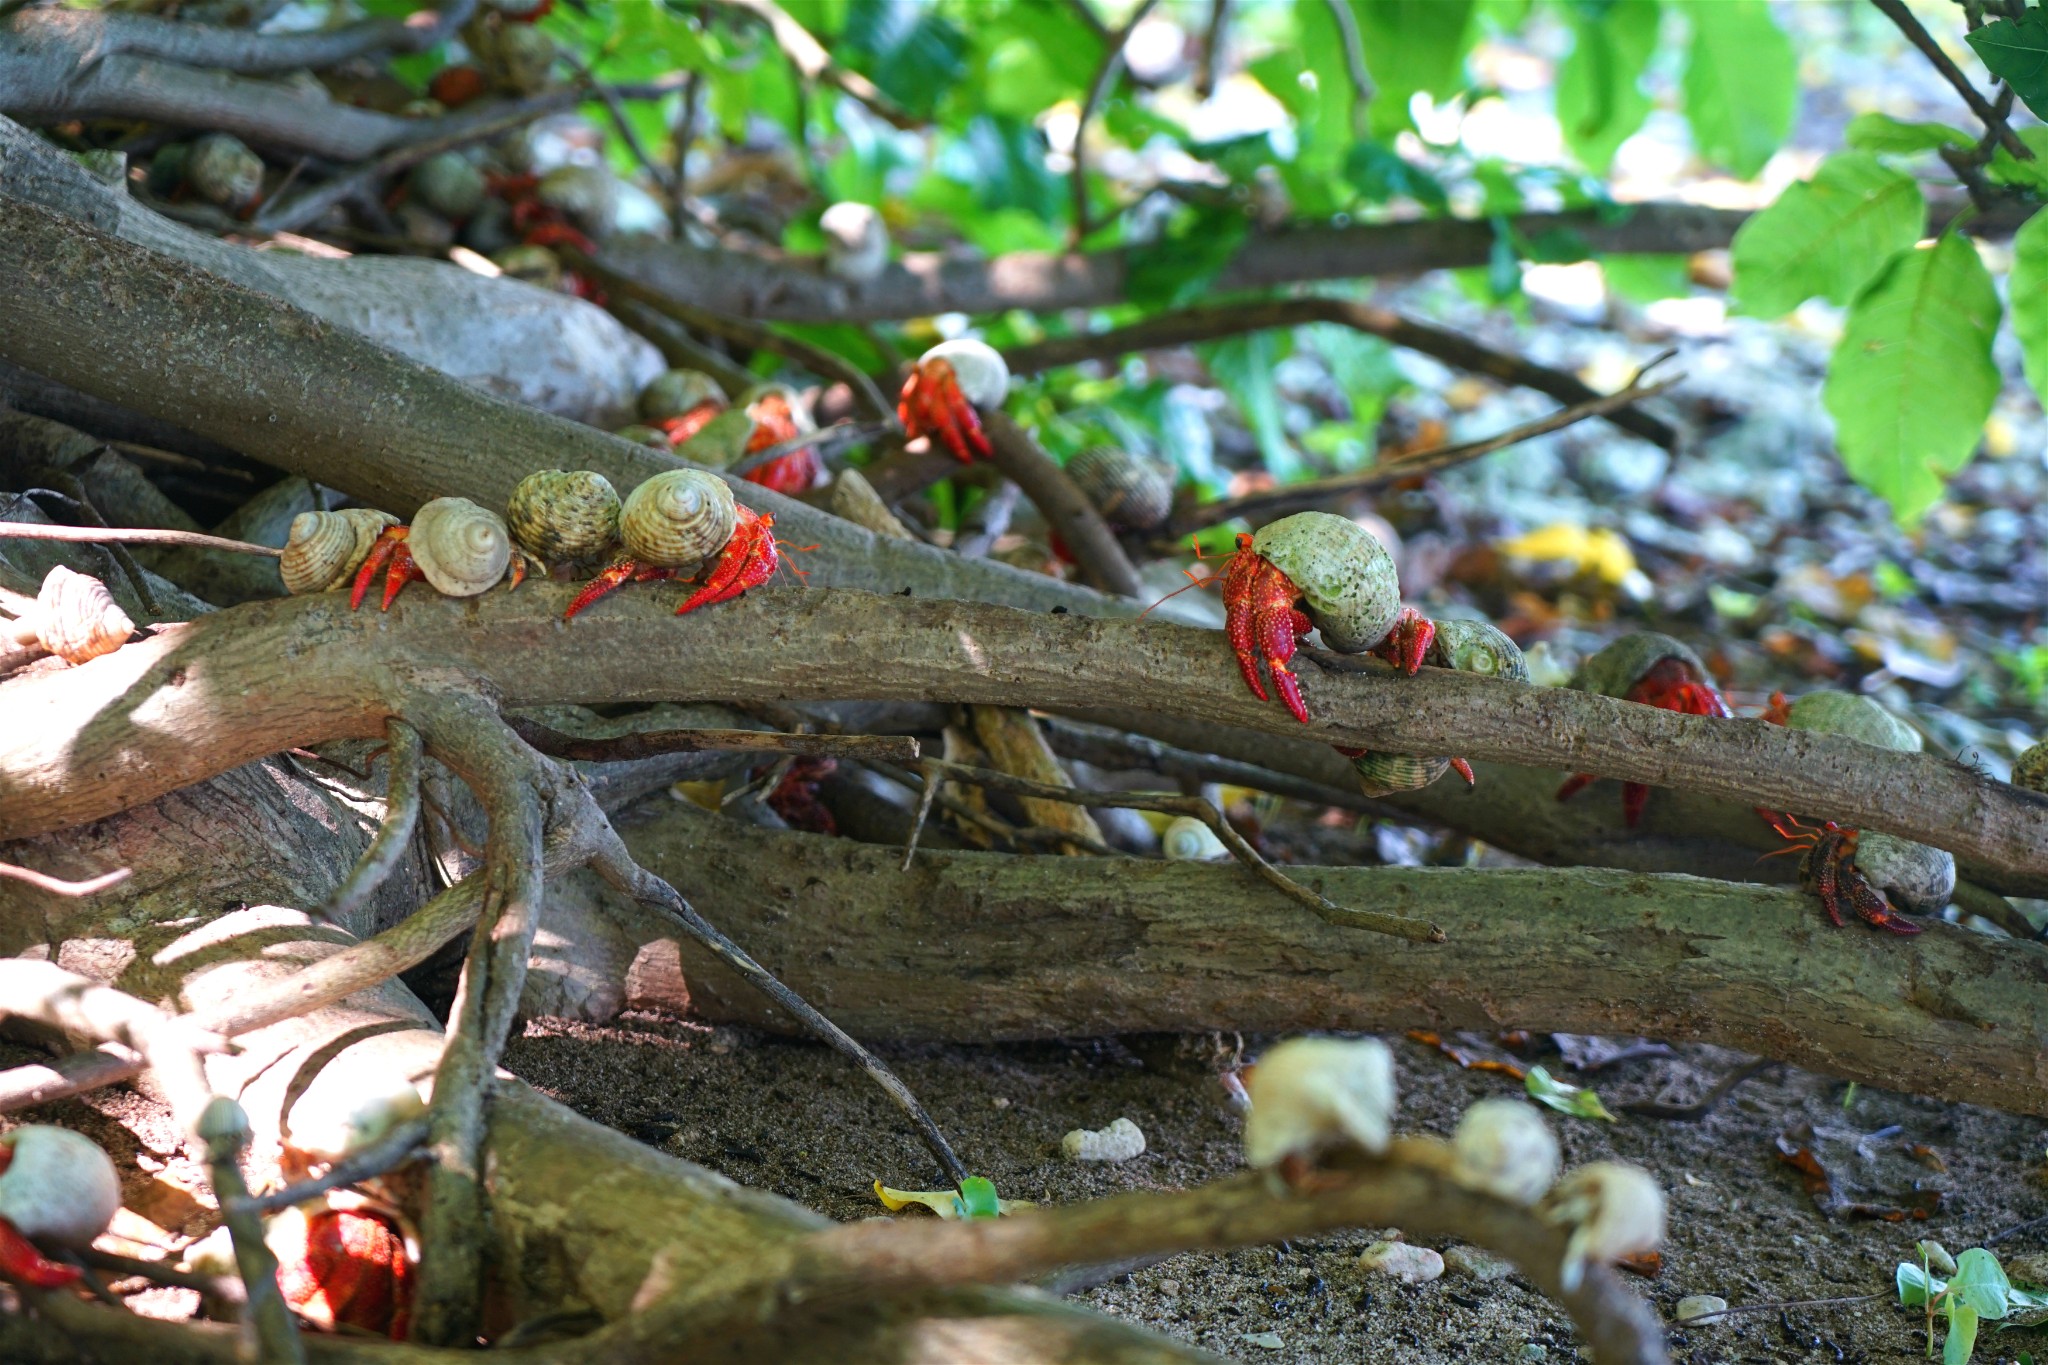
x: 748, y: 562
x: 946, y: 389
x: 391, y: 556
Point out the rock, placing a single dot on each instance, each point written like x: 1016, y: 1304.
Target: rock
x: 1477, y: 1263
x: 1265, y: 1341
x: 1696, y: 1306
x: 1408, y: 1264
x: 1535, y: 1350
x: 1120, y: 1141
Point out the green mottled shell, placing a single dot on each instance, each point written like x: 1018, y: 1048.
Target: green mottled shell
x: 222, y: 169
x: 558, y: 514
x: 1381, y: 774
x: 675, y: 392
x: 644, y: 435
x: 1621, y: 665
x: 1477, y: 647
x: 2030, y: 769
x: 1345, y: 575
x: 1127, y: 489
x: 449, y: 184
x: 1854, y: 715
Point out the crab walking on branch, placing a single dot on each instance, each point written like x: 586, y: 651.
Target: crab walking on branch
x: 1652, y: 670
x: 459, y: 548
x: 1850, y: 869
x: 668, y: 526
x: 946, y: 390
x: 779, y: 415
x: 1347, y: 580
x: 1467, y: 646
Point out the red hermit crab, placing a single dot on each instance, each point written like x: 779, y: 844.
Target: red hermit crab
x: 779, y: 416
x: 57, y: 1187
x: 949, y: 384
x: 460, y: 548
x: 1851, y: 869
x: 1344, y: 576
x: 1652, y: 670
x: 1466, y: 646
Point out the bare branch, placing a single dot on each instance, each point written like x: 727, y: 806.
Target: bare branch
x: 394, y: 836
x: 1065, y: 509
x: 647, y: 743
x: 30, y: 530
x: 1993, y: 121
x: 57, y: 886
x: 1098, y: 90
x: 89, y: 36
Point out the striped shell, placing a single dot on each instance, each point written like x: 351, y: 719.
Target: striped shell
x: 979, y: 369
x: 463, y: 549
x: 1469, y: 647
x: 678, y: 517
x: 1915, y: 876
x: 1127, y: 489
x: 1854, y: 715
x: 324, y: 549
x: 674, y: 392
x: 1187, y: 839
x: 1622, y: 664
x: 77, y: 618
x: 1346, y: 576
x: 558, y: 514
x: 2030, y: 769
x: 1381, y: 774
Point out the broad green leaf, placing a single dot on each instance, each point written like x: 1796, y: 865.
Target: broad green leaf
x: 978, y: 1197
x: 1243, y: 368
x: 1380, y: 173
x: 1646, y: 279
x: 1961, y: 1341
x: 2016, y: 50
x: 2007, y: 169
x: 1915, y: 1285
x: 1980, y: 1282
x: 1575, y: 1100
x: 912, y: 52
x: 1883, y: 133
x: 1826, y: 236
x: 1020, y: 80
x: 1741, y: 83
x: 1600, y: 99
x: 1912, y: 380
x: 1411, y: 46
x: 2028, y: 288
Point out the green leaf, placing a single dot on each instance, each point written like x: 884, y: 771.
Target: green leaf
x: 1885, y: 134
x: 1741, y: 83
x: 2028, y: 289
x: 1645, y: 279
x: 1411, y: 46
x: 1380, y: 173
x: 1826, y: 236
x: 1961, y: 1342
x: 912, y: 52
x: 1912, y: 380
x: 1600, y: 99
x: 978, y: 1197
x: 2016, y: 50
x: 1174, y: 271
x: 1566, y: 1099
x: 1915, y: 1285
x: 1980, y: 1282
x: 1243, y: 368
x: 1020, y: 80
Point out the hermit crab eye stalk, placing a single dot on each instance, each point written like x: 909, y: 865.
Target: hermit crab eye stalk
x: 948, y: 389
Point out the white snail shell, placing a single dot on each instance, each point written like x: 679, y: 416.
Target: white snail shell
x: 463, y: 549
x: 983, y: 374
x: 1505, y: 1148
x: 77, y: 618
x: 222, y: 169
x: 856, y: 241
x: 1187, y: 839
x: 588, y: 194
x: 1308, y: 1094
x: 1613, y: 1210
x: 534, y: 264
x: 674, y: 392
x: 59, y: 1187
x: 1346, y: 576
x: 324, y: 549
x: 557, y: 514
x: 1126, y: 489
x: 678, y: 517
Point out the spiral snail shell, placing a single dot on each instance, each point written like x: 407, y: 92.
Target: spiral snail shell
x: 1619, y: 666
x: 1345, y: 575
x: 1917, y: 877
x: 1127, y: 489
x: 461, y: 548
x: 1470, y: 647
x: 978, y: 368
x: 76, y: 618
x: 1187, y: 839
x: 1381, y: 774
x: 674, y: 392
x: 678, y: 517
x: 324, y: 549
x: 557, y: 514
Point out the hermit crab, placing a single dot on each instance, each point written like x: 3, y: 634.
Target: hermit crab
x: 946, y: 390
x: 1469, y: 647
x: 667, y: 526
x: 1309, y: 1095
x: 779, y: 416
x: 680, y: 402
x: 56, y: 1187
x: 1344, y: 576
x: 556, y: 515
x: 1653, y: 670
x: 459, y: 548
x: 1130, y: 492
x: 1852, y: 869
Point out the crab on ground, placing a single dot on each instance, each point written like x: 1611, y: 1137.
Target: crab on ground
x: 343, y: 1264
x: 1827, y: 868
x: 946, y: 390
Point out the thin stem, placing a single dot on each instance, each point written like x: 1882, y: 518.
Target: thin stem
x: 29, y: 530
x: 1098, y: 90
x: 365, y: 1163
x: 1919, y: 37
x: 56, y: 886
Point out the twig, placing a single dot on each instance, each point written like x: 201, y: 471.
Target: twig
x: 1292, y: 497
x: 29, y: 530
x: 1098, y: 90
x: 1400, y: 926
x: 71, y: 490
x: 1109, y: 748
x: 1354, y: 58
x: 678, y: 347
x: 1919, y: 37
x: 649, y: 743
x: 1734, y: 1309
x: 156, y: 1272
x: 924, y: 811
x: 170, y: 457
x: 1065, y: 509
x: 386, y: 1154
x: 1705, y: 1104
x: 42, y: 881
x: 825, y: 438
x: 1212, y: 46
x: 809, y: 57
x: 1026, y: 836
x: 1230, y: 319
x: 239, y: 50
x: 224, y: 1127
x: 616, y: 108
x: 394, y: 836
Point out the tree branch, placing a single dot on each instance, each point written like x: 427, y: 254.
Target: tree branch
x: 647, y: 743
x: 86, y: 37
x: 1919, y: 37
x: 1065, y: 508
x: 809, y: 57
x: 1098, y: 90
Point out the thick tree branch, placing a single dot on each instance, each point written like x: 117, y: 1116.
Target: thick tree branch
x: 86, y: 37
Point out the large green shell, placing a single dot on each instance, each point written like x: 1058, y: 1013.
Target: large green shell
x: 2030, y: 769
x: 1854, y: 715
x: 1345, y: 575
x: 1621, y: 665
x: 558, y: 514
x: 674, y: 392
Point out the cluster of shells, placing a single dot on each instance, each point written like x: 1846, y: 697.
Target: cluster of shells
x: 677, y: 519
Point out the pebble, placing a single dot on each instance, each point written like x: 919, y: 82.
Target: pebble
x: 1265, y: 1341
x: 1700, y: 1305
x: 1408, y: 1264
x: 1535, y: 1350
x: 1120, y: 1141
x: 1477, y: 1263
x: 1169, y: 1286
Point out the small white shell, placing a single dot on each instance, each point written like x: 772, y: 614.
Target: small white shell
x: 1120, y: 1141
x: 324, y: 549
x: 557, y: 514
x: 1505, y: 1148
x: 77, y: 618
x: 856, y: 241
x: 678, y: 517
x: 463, y: 549
x: 1346, y: 576
x: 59, y: 1187
x: 981, y: 371
x: 1308, y: 1094
x: 1187, y: 839
x: 1917, y: 876
x: 1613, y: 1210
